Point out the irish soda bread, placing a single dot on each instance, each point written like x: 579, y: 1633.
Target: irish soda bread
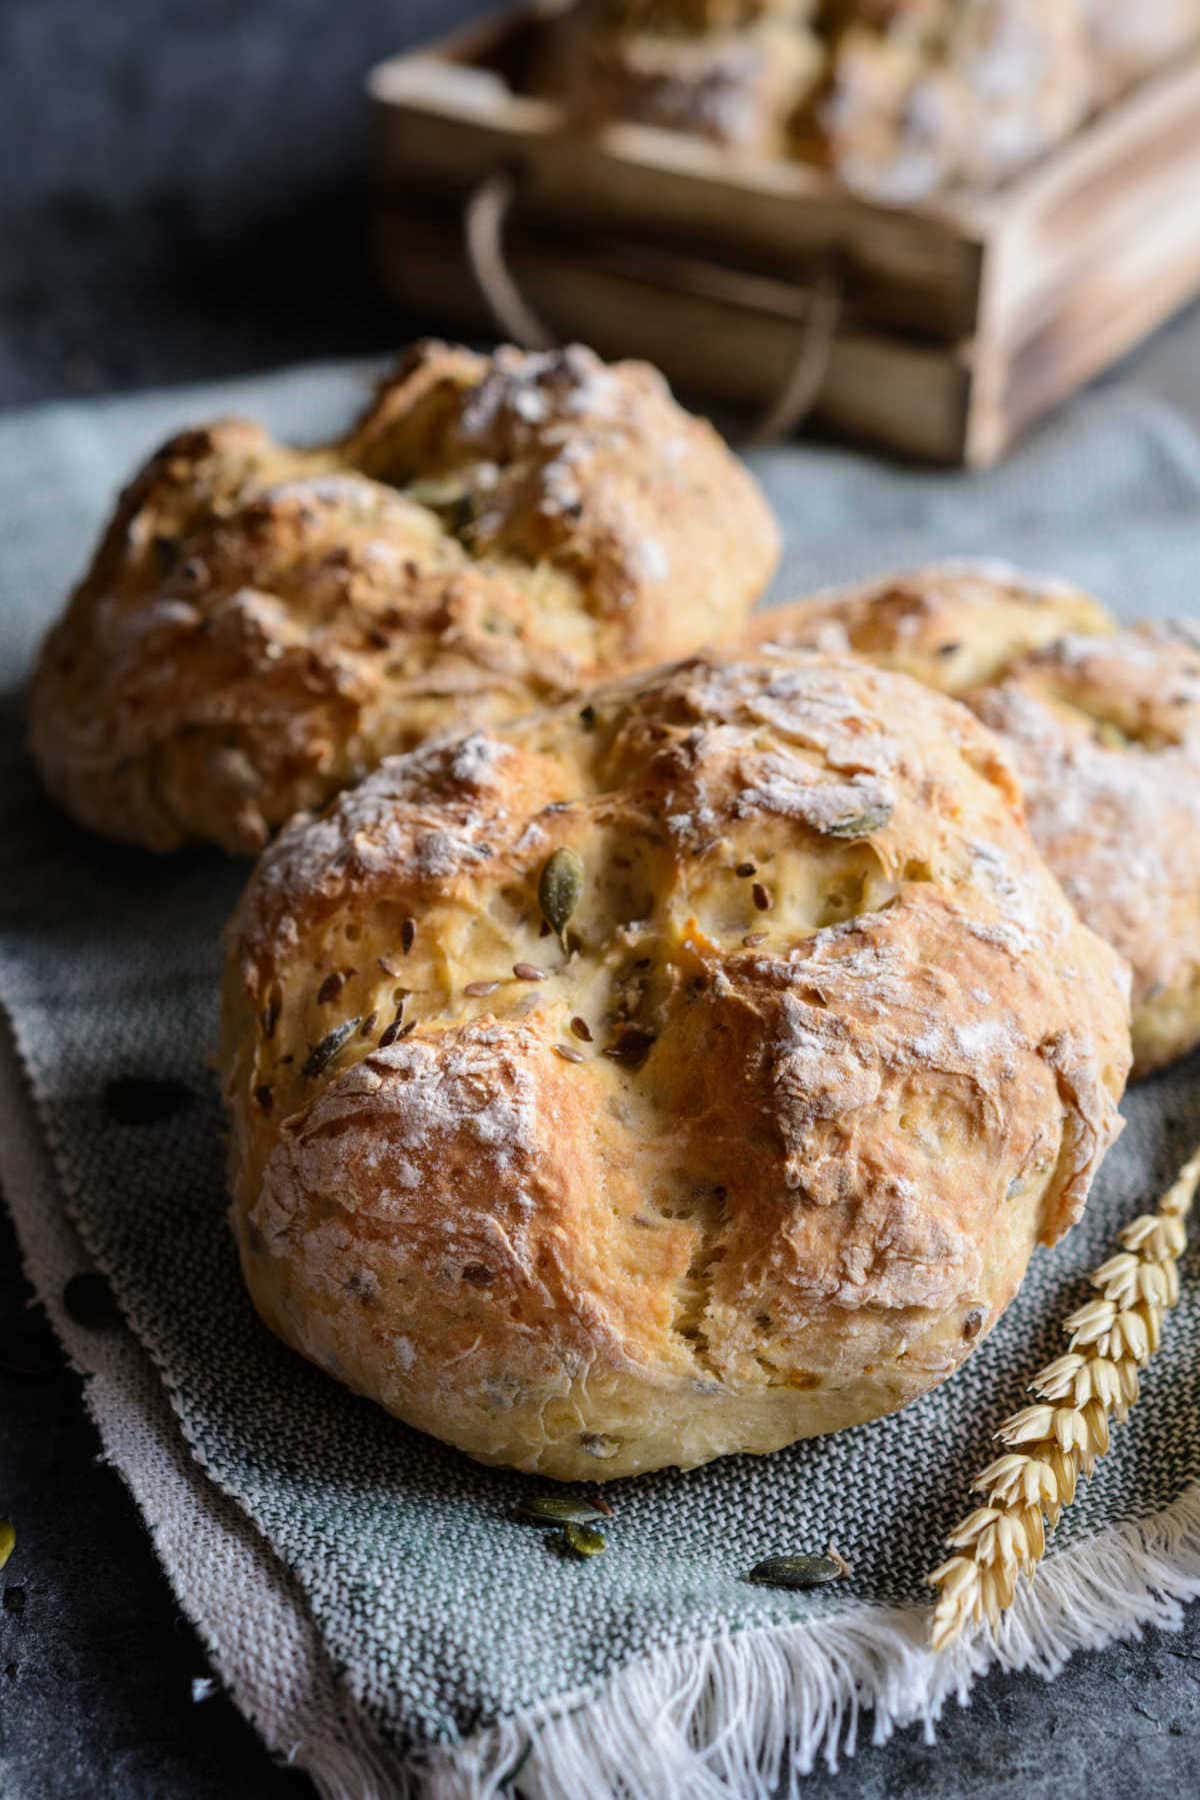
x: 260, y: 625
x: 684, y: 1070
x: 1104, y: 727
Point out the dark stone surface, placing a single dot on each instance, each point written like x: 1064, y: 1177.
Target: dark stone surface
x: 182, y: 186
x: 96, y: 1663
x: 181, y: 195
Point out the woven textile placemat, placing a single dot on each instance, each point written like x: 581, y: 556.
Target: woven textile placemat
x: 366, y: 1594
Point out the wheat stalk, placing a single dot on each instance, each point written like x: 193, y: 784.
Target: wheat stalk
x: 1050, y: 1444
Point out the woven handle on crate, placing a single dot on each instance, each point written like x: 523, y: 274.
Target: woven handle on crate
x: 486, y: 213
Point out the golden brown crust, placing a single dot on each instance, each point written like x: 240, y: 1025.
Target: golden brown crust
x: 1105, y: 730
x: 260, y: 624
x: 1106, y: 736
x: 950, y: 625
x: 758, y: 1153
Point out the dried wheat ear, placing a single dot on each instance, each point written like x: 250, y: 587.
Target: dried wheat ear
x: 1050, y: 1444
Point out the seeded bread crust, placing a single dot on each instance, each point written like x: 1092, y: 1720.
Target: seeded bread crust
x: 260, y: 625
x: 950, y: 625
x: 758, y: 1151
x: 1104, y: 729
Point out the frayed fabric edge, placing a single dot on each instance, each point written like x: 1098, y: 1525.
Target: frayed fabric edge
x: 742, y: 1716
x: 750, y: 1715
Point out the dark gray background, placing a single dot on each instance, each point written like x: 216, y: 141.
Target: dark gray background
x: 182, y: 194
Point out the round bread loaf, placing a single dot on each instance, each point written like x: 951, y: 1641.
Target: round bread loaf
x: 260, y: 625
x: 682, y: 1071
x: 1104, y: 727
x: 1105, y: 733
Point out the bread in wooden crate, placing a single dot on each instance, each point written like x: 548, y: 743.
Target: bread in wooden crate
x: 962, y: 316
x: 899, y: 99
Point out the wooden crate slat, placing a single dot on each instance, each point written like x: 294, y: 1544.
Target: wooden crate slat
x: 905, y: 395
x: 963, y: 319
x: 442, y: 123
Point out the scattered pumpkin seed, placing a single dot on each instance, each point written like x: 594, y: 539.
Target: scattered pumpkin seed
x: 478, y: 989
x: 528, y: 972
x: 860, y: 825
x: 558, y: 1509
x: 560, y: 888
x: 584, y: 1540
x: 568, y: 1054
x: 8, y: 1540
x: 796, y: 1571
x: 408, y: 932
x: 582, y: 1029
x: 322, y: 1054
x: 761, y: 897
x: 331, y: 987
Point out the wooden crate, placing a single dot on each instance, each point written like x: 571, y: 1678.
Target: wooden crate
x: 959, y: 321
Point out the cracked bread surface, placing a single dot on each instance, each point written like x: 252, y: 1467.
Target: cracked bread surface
x: 1103, y: 725
x: 1105, y: 734
x: 758, y: 1150
x: 260, y: 624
